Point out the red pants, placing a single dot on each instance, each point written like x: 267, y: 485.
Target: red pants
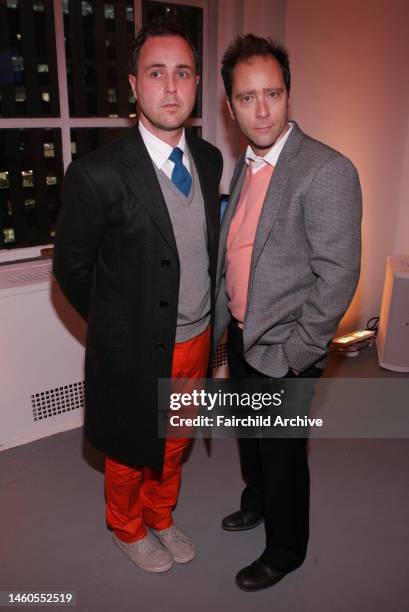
x: 137, y: 498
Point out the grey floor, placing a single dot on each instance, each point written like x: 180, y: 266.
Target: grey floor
x: 53, y: 535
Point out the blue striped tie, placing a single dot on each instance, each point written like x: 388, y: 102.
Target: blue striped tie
x: 180, y: 175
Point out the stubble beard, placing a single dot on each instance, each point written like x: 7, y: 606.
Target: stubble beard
x: 162, y: 126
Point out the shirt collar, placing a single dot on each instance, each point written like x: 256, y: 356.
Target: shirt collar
x: 273, y: 154
x: 159, y: 150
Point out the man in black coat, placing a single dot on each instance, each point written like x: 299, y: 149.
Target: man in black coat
x: 135, y: 254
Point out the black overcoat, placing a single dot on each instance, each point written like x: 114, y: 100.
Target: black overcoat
x: 116, y: 260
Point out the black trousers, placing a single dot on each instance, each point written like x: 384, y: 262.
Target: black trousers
x: 277, y: 477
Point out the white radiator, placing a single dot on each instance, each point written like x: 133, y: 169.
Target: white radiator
x: 41, y: 356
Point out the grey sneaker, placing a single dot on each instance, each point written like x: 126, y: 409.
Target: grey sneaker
x: 147, y: 553
x: 177, y: 543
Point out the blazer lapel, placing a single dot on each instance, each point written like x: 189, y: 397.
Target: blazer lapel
x: 235, y: 190
x: 141, y: 178
x: 274, y: 195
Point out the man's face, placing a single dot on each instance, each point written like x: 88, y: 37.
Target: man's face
x: 165, y: 84
x: 259, y: 101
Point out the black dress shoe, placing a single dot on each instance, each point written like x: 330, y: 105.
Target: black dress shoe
x: 241, y: 520
x: 257, y: 576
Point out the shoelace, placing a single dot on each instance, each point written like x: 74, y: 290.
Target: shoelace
x: 175, y: 534
x: 148, y: 544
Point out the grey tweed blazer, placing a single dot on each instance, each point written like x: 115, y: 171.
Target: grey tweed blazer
x: 306, y: 257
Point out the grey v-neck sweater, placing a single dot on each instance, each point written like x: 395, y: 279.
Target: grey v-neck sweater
x: 189, y: 226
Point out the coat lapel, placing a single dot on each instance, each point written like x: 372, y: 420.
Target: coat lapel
x: 205, y: 171
x: 141, y: 178
x: 235, y: 190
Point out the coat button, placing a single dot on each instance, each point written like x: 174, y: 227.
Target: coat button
x: 163, y: 304
x: 165, y: 262
x: 160, y: 345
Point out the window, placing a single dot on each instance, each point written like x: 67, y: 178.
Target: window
x: 97, y: 40
x: 27, y: 42
x: 64, y: 92
x: 30, y: 180
x: 84, y: 140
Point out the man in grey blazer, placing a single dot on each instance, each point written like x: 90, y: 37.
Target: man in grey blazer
x: 289, y: 260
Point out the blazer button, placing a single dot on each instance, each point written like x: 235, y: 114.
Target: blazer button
x: 160, y: 345
x: 163, y: 304
x: 165, y: 262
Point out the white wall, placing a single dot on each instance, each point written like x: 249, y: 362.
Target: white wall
x: 350, y: 90
x: 230, y: 24
x: 265, y: 18
x: 402, y: 230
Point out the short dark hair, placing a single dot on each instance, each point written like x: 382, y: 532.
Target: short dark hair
x: 160, y: 28
x: 247, y: 46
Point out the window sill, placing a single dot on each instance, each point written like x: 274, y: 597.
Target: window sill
x: 19, y: 255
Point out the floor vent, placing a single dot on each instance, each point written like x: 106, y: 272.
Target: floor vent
x: 220, y: 358
x: 29, y: 277
x: 51, y: 403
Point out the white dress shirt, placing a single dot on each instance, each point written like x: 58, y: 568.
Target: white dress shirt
x: 159, y: 151
x: 269, y: 158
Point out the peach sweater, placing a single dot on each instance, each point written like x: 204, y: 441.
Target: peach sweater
x: 240, y: 238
